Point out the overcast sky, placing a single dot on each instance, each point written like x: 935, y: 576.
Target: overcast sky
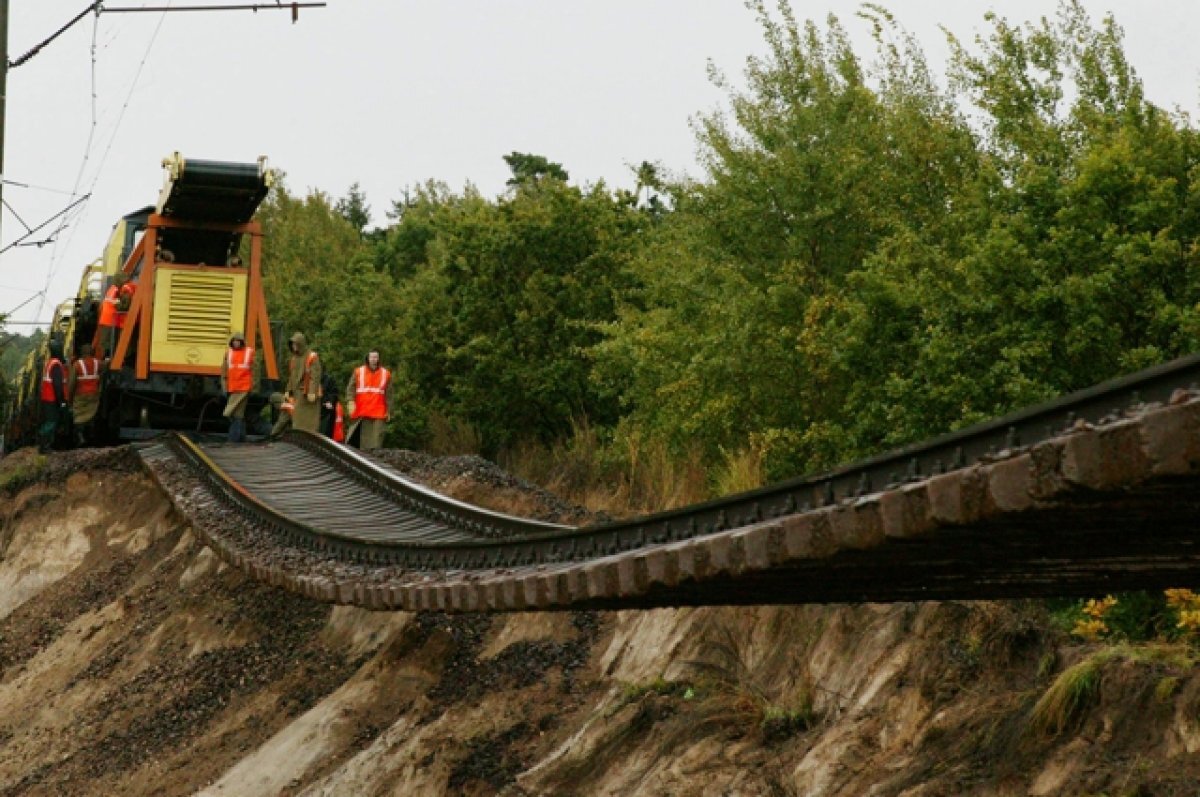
x: 389, y: 93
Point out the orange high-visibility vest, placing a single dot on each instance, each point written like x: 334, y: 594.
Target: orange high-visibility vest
x: 339, y: 424
x: 47, y: 391
x: 108, y: 308
x: 369, y: 387
x: 87, y: 376
x: 128, y: 289
x: 309, y: 359
x: 239, y: 370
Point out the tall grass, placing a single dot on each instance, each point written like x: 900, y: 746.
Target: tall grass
x: 448, y: 436
x: 614, y: 473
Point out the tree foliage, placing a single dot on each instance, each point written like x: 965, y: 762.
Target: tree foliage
x: 867, y: 264
x: 531, y: 169
x: 874, y: 255
x: 354, y: 208
x: 502, y: 301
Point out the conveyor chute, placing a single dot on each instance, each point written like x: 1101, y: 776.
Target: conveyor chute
x: 213, y: 191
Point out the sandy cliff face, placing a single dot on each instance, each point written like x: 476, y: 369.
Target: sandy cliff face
x: 133, y: 662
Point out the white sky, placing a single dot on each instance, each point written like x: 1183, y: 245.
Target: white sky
x: 393, y: 92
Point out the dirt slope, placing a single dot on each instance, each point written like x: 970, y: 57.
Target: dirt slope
x: 133, y: 662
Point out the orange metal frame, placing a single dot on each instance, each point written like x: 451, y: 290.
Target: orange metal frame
x: 141, y: 311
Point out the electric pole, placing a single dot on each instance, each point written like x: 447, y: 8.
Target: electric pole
x: 3, y: 92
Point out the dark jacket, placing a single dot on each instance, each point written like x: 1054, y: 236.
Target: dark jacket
x: 329, y: 390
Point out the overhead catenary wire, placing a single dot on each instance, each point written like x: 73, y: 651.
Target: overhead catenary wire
x: 38, y: 47
x: 18, y: 307
x: 33, y: 187
x: 16, y: 215
x: 98, y: 8
x: 104, y: 157
x: 255, y: 7
x: 87, y: 154
x: 60, y: 214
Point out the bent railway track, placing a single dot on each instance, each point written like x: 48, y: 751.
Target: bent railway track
x: 1093, y: 491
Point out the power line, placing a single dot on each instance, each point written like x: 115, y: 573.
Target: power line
x: 38, y: 48
x: 61, y: 213
x: 19, y: 306
x: 111, y: 139
x: 36, y: 187
x: 98, y: 8
x: 255, y: 7
x: 87, y: 154
x: 13, y: 211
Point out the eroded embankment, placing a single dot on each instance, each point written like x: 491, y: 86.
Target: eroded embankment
x: 133, y: 662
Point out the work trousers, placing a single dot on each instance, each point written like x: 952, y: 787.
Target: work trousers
x: 307, y: 415
x: 53, y: 417
x: 370, y: 433
x: 84, y: 406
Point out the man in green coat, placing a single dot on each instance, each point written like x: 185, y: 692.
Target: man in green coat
x: 304, y: 384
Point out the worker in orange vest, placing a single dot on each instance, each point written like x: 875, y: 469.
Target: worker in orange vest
x: 237, y: 382
x: 111, y: 319
x: 304, y: 384
x: 125, y: 301
x: 367, y: 395
x: 84, y: 387
x: 53, y: 397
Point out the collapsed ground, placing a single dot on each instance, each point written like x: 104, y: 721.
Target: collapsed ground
x: 133, y: 662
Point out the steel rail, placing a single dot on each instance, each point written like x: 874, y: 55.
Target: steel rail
x: 1103, y: 402
x: 542, y: 543
x: 418, y: 496
x: 501, y: 540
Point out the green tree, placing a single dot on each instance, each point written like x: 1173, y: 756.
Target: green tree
x: 532, y: 169
x: 354, y: 208
x: 812, y: 170
x: 311, y: 253
x: 502, y: 300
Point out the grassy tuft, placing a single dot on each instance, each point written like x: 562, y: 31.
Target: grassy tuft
x: 1166, y: 688
x: 1066, y: 701
x: 779, y: 723
x: 21, y: 472
x: 738, y: 471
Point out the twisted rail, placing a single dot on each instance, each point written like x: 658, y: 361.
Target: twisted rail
x: 1037, y: 502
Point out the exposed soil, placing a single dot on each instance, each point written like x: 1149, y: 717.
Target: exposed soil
x: 133, y: 662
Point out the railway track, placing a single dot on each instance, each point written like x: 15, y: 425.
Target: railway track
x: 323, y: 519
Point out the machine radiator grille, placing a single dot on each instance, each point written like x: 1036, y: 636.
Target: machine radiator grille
x: 200, y: 308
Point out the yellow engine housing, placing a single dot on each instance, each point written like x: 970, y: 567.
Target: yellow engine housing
x: 196, y: 309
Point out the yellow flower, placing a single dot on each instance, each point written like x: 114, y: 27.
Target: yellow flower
x: 1098, y: 608
x: 1091, y: 630
x: 1182, y: 599
x: 1189, y: 619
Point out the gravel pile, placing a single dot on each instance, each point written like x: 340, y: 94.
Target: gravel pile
x: 438, y: 472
